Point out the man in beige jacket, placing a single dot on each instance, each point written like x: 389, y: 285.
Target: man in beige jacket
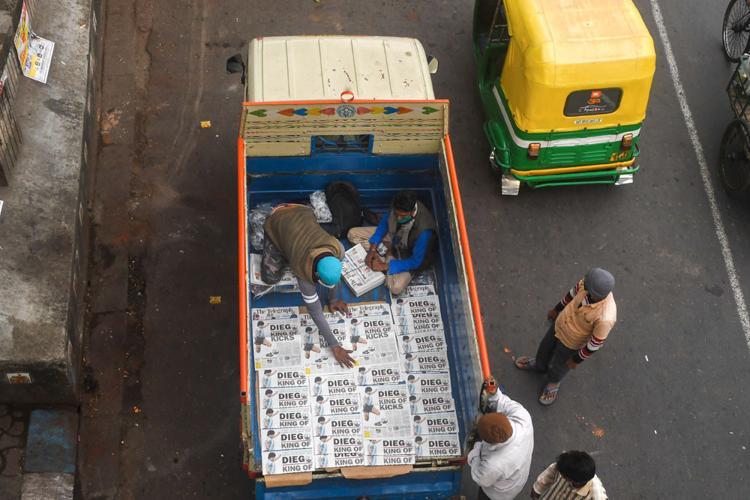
x: 582, y: 322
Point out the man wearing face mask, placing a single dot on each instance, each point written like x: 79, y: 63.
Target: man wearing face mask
x: 581, y: 323
x: 293, y: 237
x: 407, y: 235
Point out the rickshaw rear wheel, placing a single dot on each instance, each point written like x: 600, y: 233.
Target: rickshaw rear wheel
x: 734, y: 161
x: 735, y: 34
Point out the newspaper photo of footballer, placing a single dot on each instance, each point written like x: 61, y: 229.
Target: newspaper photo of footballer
x: 287, y: 462
x: 280, y: 378
x: 338, y: 425
x: 369, y: 404
x: 284, y: 399
x: 285, y: 419
x: 437, y: 446
x: 357, y: 333
x: 428, y: 384
x: 435, y: 423
x: 310, y: 340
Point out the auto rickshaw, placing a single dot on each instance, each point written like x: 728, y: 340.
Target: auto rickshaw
x: 564, y: 86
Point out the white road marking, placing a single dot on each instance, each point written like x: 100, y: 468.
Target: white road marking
x: 721, y: 233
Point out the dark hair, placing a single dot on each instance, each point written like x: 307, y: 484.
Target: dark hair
x: 405, y: 200
x: 576, y: 466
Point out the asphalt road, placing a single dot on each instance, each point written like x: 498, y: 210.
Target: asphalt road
x: 662, y: 407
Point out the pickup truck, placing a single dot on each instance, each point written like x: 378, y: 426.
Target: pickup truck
x: 359, y: 109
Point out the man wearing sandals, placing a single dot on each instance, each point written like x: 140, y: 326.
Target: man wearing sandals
x: 582, y: 321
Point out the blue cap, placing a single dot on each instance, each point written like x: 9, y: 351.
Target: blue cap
x: 329, y: 270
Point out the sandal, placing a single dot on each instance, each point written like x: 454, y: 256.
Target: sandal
x: 550, y: 392
x: 525, y: 363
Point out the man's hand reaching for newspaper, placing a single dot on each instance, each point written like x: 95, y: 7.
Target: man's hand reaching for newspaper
x: 342, y: 356
x: 338, y: 306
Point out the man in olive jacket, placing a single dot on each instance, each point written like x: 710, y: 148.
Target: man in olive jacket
x: 294, y: 238
x: 408, y: 234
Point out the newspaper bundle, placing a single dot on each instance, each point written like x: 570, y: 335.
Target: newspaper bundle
x: 393, y: 408
x: 360, y: 278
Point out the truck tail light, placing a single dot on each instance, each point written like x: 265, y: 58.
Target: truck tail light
x: 627, y: 141
x: 534, y: 150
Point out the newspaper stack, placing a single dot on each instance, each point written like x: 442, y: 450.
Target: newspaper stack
x: 360, y: 278
x: 423, y: 348
x: 394, y: 407
x: 283, y: 391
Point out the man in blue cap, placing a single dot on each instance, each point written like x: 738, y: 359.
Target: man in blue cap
x: 294, y: 238
x: 581, y: 323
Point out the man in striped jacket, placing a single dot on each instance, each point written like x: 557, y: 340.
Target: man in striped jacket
x: 581, y: 324
x: 571, y: 477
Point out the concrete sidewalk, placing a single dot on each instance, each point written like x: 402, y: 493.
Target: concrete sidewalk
x: 44, y: 220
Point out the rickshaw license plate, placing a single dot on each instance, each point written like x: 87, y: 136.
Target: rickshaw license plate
x: 624, y: 179
x: 510, y: 185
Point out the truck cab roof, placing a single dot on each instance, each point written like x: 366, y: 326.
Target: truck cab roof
x: 313, y: 68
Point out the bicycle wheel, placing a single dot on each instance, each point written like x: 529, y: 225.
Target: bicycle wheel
x: 734, y: 164
x: 736, y: 29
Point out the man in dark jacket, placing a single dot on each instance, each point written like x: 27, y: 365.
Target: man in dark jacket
x: 294, y: 238
x: 408, y: 235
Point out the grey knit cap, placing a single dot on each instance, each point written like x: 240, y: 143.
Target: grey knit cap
x: 599, y: 282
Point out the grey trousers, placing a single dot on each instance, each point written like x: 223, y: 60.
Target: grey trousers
x: 552, y: 355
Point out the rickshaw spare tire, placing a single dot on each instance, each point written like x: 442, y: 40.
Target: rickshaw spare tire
x: 734, y: 158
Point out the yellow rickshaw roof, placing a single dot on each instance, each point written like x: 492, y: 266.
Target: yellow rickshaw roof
x: 555, y: 36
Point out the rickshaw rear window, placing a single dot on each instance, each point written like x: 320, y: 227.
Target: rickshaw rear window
x: 592, y: 102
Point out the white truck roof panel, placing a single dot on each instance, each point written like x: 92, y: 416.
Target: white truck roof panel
x: 301, y: 68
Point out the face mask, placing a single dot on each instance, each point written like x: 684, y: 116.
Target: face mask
x: 405, y: 220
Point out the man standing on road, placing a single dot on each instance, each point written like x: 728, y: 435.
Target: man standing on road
x: 408, y: 234
x: 572, y: 476
x: 293, y: 237
x: 582, y: 321
x: 500, y: 461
